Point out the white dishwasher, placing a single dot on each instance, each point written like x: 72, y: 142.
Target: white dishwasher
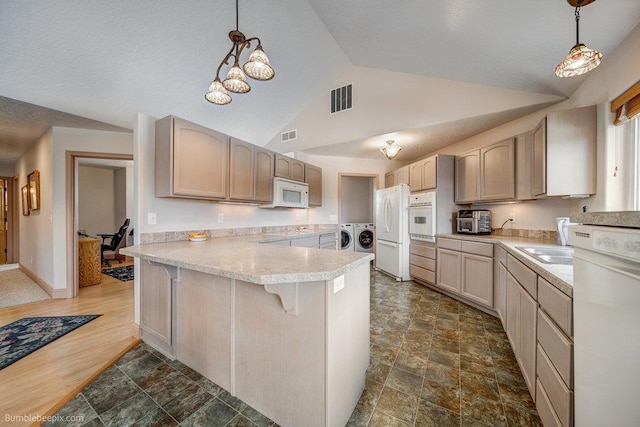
x: 606, y: 304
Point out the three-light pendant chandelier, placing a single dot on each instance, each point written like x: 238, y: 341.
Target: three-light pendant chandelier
x: 257, y: 67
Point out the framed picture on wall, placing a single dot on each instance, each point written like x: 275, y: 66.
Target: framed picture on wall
x: 34, y: 190
x: 25, y: 200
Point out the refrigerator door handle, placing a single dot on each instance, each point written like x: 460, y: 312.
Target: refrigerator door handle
x: 385, y: 243
x: 387, y: 214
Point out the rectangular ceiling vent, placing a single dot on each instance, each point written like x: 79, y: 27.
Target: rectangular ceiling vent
x: 342, y: 98
x: 289, y: 135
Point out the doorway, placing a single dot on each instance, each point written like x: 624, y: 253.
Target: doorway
x: 7, y: 221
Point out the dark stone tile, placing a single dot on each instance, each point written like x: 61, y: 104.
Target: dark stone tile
x: 93, y: 423
x: 412, y: 362
x: 442, y: 374
x: 378, y: 371
x: 215, y: 413
x: 404, y: 381
x: 444, y: 324
x: 79, y: 409
x: 185, y: 370
x: 130, y: 412
x: 392, y: 336
x: 470, y: 422
x: 518, y: 396
x: 360, y: 416
x: 143, y: 367
x: 444, y: 357
x: 232, y: 401
x: 480, y: 366
x: 430, y: 415
x: 136, y: 352
x: 478, y: 385
x: 186, y: 403
x: 518, y: 416
x: 370, y: 394
x: 479, y: 349
x: 256, y: 417
x: 240, y: 421
x: 426, y: 314
x: 397, y: 404
x: 440, y: 394
x: 508, y: 377
x: 109, y: 391
x: 446, y: 344
x: 380, y: 419
x: 213, y: 388
x: 384, y: 351
x: 445, y: 315
x: 484, y: 410
x: 421, y: 325
x: 170, y: 387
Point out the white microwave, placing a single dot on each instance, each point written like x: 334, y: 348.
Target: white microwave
x: 289, y: 194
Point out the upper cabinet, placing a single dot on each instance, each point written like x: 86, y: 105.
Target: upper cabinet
x: 250, y: 172
x: 191, y: 161
x: 487, y: 174
x: 396, y: 177
x: 423, y: 173
x: 564, y: 154
x: 313, y: 177
x: 287, y: 167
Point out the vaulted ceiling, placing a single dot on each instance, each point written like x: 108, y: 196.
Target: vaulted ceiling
x: 430, y: 72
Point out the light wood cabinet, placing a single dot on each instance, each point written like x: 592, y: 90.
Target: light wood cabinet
x: 313, y: 177
x: 500, y: 285
x: 396, y: 177
x: 250, y: 172
x: 422, y: 261
x: 497, y: 171
x: 564, y: 153
x: 487, y: 174
x: 157, y: 313
x: 287, y: 167
x: 467, y: 177
x: 466, y: 269
x: 423, y: 174
x: 191, y: 160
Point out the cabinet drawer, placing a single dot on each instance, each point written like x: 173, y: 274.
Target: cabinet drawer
x: 558, y: 347
x: 422, y: 274
x: 545, y: 410
x: 523, y: 274
x: 423, y: 251
x: 452, y: 244
x: 560, y: 397
x: 557, y: 305
x: 501, y: 255
x: 327, y: 238
x: 477, y: 248
x: 426, y: 263
x: 331, y: 246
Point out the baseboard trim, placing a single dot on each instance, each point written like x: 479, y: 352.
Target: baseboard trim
x: 53, y: 293
x: 135, y: 330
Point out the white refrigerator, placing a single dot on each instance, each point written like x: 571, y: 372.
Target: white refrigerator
x: 392, y: 231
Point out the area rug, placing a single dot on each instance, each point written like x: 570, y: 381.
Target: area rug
x: 123, y: 274
x: 27, y: 335
x: 17, y: 289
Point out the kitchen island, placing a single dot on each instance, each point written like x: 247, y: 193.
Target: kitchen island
x: 285, y: 329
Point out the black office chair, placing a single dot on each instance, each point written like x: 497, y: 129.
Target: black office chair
x: 114, y: 244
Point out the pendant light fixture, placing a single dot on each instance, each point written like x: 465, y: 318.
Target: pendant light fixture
x: 580, y: 59
x: 257, y: 67
x: 391, y: 150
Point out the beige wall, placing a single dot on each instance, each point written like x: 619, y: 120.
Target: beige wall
x: 96, y: 200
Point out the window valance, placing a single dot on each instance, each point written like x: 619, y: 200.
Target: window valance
x: 627, y: 105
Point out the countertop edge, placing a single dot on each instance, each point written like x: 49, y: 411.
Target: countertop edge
x: 549, y: 272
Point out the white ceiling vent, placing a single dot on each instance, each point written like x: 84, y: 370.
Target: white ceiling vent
x: 342, y: 98
x: 289, y: 135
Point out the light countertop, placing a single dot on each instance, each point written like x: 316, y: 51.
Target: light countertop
x: 252, y: 259
x: 560, y: 276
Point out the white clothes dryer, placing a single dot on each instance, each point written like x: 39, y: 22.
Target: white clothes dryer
x: 347, y: 238
x: 365, y: 237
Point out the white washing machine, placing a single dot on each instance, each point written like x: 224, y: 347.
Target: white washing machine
x: 365, y: 237
x: 347, y: 237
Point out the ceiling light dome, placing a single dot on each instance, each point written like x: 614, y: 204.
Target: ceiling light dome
x: 258, y: 67
x: 217, y: 94
x: 580, y: 59
x: 391, y: 150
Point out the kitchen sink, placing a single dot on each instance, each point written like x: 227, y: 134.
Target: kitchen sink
x: 548, y: 255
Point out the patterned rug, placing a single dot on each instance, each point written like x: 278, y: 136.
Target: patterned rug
x: 124, y: 274
x: 25, y: 336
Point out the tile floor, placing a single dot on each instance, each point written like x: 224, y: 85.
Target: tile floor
x: 434, y: 362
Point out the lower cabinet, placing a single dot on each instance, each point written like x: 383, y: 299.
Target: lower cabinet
x: 157, y: 323
x: 329, y: 241
x: 422, y: 261
x: 466, y: 269
x: 500, y: 284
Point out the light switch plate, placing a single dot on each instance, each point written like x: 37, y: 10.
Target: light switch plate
x: 152, y: 218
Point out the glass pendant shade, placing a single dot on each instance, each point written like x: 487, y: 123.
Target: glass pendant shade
x: 258, y: 67
x: 236, y: 81
x: 217, y: 94
x: 580, y: 60
x: 391, y: 151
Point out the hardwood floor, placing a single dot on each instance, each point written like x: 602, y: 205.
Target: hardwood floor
x: 43, y: 381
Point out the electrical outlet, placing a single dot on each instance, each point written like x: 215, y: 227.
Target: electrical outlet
x: 333, y: 217
x: 220, y: 217
x: 152, y: 218
x: 512, y: 217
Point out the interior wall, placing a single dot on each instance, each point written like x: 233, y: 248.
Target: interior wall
x: 119, y: 197
x: 96, y: 200
x: 7, y: 169
x: 356, y: 200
